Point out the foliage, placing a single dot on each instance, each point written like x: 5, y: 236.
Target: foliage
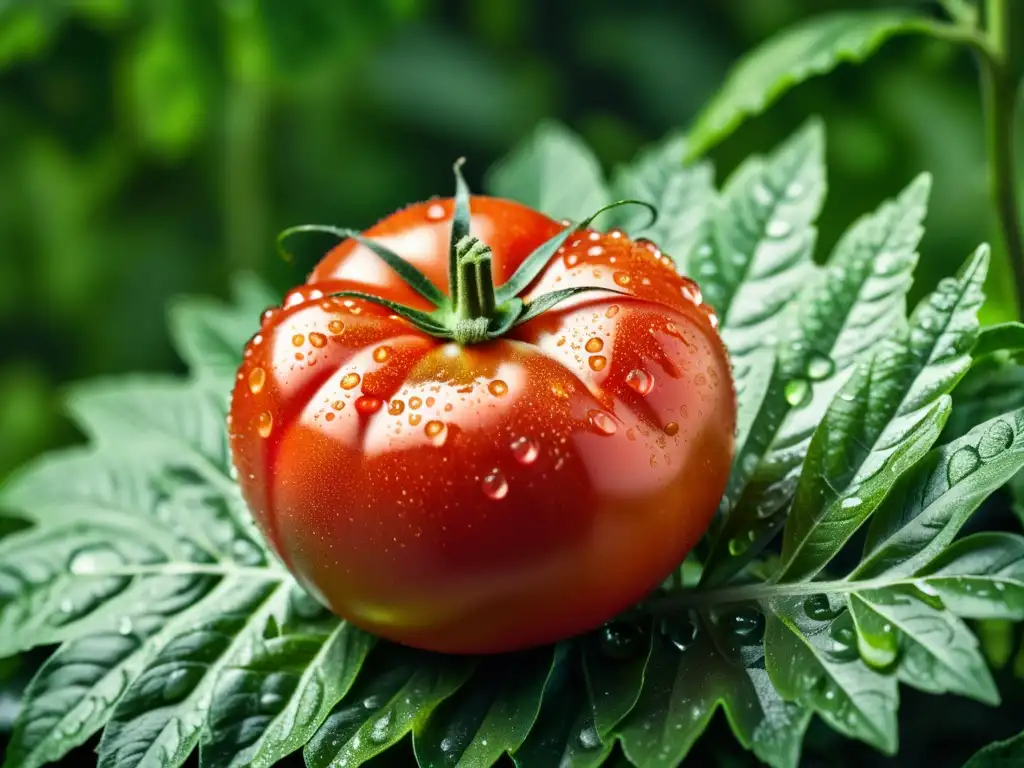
x: 179, y: 632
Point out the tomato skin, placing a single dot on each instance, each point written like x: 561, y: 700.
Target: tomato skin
x: 501, y: 495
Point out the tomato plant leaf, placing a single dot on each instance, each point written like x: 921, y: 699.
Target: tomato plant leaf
x: 999, y: 754
x: 614, y: 665
x: 980, y: 577
x: 487, y: 717
x: 804, y: 50
x: 553, y: 171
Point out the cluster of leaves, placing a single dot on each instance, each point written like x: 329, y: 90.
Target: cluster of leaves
x: 178, y: 631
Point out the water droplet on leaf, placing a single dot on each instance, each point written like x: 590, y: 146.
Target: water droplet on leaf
x: 797, y: 392
x: 961, y: 464
x: 997, y: 438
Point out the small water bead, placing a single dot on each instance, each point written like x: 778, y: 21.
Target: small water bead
x: 318, y: 340
x: 381, y: 354
x: 294, y: 298
x: 820, y: 367
x: 851, y: 502
x: 329, y: 416
x: 381, y: 728
x: 265, y: 424
x: 435, y: 212
x: 494, y: 485
x: 367, y: 405
x: 620, y: 640
x: 601, y: 422
x: 594, y: 345
x: 595, y: 251
x: 672, y: 429
x: 415, y: 402
x: 395, y: 407
x: 94, y: 559
x: 436, y: 431
x: 124, y: 626
x: 612, y: 311
x: 680, y: 632
x: 797, y: 392
x: 778, y: 228
x: 997, y: 438
x: 640, y: 381
x: 844, y: 642
x: 621, y: 278
x: 350, y: 381
x: 962, y: 463
x: 524, y: 450
x: 176, y: 685
x: 299, y: 356
x: 747, y: 623
x: 338, y: 405
x: 257, y: 378
x: 498, y: 388
x: 598, y: 362
x: 818, y: 608
x: 559, y: 391
x: 879, y: 650
x: 738, y: 545
x: 794, y: 189
x: 335, y: 326
x: 414, y: 419
x: 298, y: 340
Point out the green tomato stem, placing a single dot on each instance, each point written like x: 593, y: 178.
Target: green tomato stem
x: 474, y: 288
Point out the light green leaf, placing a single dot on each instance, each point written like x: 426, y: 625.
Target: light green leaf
x: 271, y: 704
x: 75, y: 692
x: 980, y: 577
x: 488, y: 716
x: 814, y: 46
x: 844, y: 311
x: 552, y: 171
x: 160, y: 718
x: 811, y: 656
x: 396, y: 693
x: 683, y: 195
x: 927, y: 508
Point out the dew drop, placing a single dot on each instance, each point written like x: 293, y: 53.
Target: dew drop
x: 601, y: 422
x: 498, y: 388
x: 435, y: 212
x: 335, y: 326
x: 778, y: 228
x: 415, y: 402
x: 350, y: 381
x: 271, y: 700
x: 524, y: 450
x: 797, y: 392
x: 495, y: 485
x: 738, y: 546
x: 381, y: 354
x: 298, y: 340
x: 379, y: 732
x: 124, y: 627
x: 318, y: 340
x: 598, y: 362
x: 612, y: 311
x: 589, y: 739
x: 257, y: 378
x: 414, y: 419
x: 395, y: 407
x: 844, y: 642
x: 621, y: 278
x: 176, y: 685
x: 672, y: 428
x: 620, y: 640
x: 820, y: 367
x: 794, y: 189
x: 681, y: 632
x: 997, y: 438
x: 594, y: 345
x: 878, y: 649
x: 961, y: 464
x: 819, y: 608
x: 640, y: 381
x: 747, y: 623
x: 265, y: 424
x: 851, y: 502
x: 94, y: 559
x: 447, y: 745
x: 368, y: 405
x: 436, y: 431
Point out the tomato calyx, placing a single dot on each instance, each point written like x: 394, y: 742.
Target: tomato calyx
x: 476, y: 310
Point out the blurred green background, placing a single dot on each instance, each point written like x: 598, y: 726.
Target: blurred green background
x: 153, y: 148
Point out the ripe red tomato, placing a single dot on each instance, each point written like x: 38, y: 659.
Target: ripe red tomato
x: 485, y: 497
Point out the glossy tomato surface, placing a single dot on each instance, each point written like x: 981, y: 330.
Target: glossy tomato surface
x: 495, y: 496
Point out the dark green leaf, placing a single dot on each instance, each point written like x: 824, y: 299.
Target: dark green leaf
x: 614, y: 664
x: 999, y: 754
x: 999, y: 338
x: 980, y: 577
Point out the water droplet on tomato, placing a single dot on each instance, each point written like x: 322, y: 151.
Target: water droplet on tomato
x: 257, y: 378
x: 350, y: 381
x: 495, y: 485
x: 601, y: 422
x: 621, y: 278
x: 415, y: 402
x: 381, y: 354
x: 497, y: 388
x: 268, y: 316
x: 594, y: 345
x: 613, y: 310
x: 265, y: 424
x: 298, y: 339
x: 318, y: 340
x: 414, y: 419
x: 336, y: 326
x: 395, y: 407
x: 559, y: 391
x: 598, y: 362
x: 672, y: 428
x: 595, y: 251
x: 524, y: 450
x: 640, y: 381
x: 367, y: 405
x: 436, y: 431
x: 338, y: 405
x: 435, y: 212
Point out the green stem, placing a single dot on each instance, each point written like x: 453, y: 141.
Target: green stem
x: 474, y: 287
x: 998, y: 89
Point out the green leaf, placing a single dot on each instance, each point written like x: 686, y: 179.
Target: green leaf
x: 271, y: 704
x: 162, y: 714
x: 999, y: 338
x: 614, y: 665
x: 812, y: 47
x: 844, y: 311
x: 811, y: 656
x: 395, y: 695
x: 927, y: 508
x: 1000, y: 754
x: 697, y: 664
x: 980, y: 577
x: 75, y: 692
x: 210, y: 335
x: 488, y: 716
x: 552, y: 171
x: 682, y: 194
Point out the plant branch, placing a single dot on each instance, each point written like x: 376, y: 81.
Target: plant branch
x: 999, y: 105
